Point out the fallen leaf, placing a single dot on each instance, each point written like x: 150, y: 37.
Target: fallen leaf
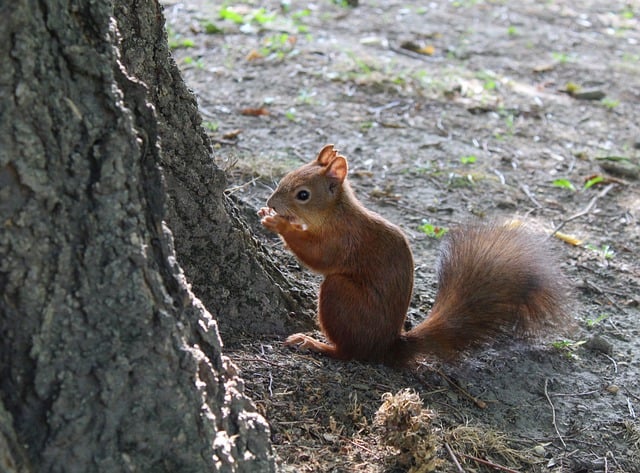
x: 544, y: 67
x: 232, y: 135
x: 429, y: 50
x: 571, y: 88
x: 253, y: 55
x: 254, y: 112
x: 567, y: 238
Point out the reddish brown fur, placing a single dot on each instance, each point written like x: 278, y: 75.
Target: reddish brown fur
x: 493, y: 279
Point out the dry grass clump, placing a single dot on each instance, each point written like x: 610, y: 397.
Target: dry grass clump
x: 407, y: 426
x: 632, y: 435
x: 488, y: 447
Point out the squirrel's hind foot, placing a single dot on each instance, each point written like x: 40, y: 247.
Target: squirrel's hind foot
x: 305, y: 342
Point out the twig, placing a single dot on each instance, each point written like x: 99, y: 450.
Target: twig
x: 454, y: 458
x: 491, y: 464
x: 270, y: 385
x: 637, y: 398
x: 613, y: 457
x: 360, y: 445
x: 378, y: 110
x: 553, y: 412
x: 585, y: 393
x: 441, y: 127
x: 222, y: 141
x: 528, y: 193
x: 233, y: 189
x: 586, y: 210
x: 478, y: 402
x: 632, y: 412
x: 615, y: 365
x: 604, y: 293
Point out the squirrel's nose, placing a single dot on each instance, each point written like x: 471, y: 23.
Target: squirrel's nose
x: 271, y: 202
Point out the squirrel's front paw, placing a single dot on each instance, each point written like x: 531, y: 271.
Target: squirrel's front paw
x: 265, y: 211
x: 275, y: 223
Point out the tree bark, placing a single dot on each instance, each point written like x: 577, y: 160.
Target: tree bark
x: 215, y: 248
x: 107, y: 360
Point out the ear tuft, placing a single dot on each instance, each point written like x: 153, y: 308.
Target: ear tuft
x: 327, y: 154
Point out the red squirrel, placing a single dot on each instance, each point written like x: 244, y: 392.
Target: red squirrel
x: 493, y: 280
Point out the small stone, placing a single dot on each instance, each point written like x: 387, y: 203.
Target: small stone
x: 539, y: 450
x: 589, y: 94
x: 620, y: 167
x: 599, y: 344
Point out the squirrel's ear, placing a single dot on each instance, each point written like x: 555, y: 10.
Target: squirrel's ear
x: 326, y: 155
x: 338, y: 169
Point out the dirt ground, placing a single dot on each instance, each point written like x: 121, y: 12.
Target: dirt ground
x: 447, y: 111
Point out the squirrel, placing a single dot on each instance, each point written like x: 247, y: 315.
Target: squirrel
x: 494, y: 280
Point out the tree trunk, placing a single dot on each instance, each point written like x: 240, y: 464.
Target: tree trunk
x: 214, y: 246
x: 107, y: 360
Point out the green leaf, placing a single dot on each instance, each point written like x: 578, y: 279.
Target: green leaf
x: 610, y: 103
x: 211, y: 126
x: 597, y: 320
x: 261, y: 16
x: 433, y: 231
x: 605, y: 251
x: 593, y: 181
x: 211, y: 28
x: 228, y: 14
x: 564, y: 183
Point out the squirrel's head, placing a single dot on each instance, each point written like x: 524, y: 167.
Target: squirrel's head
x: 308, y: 194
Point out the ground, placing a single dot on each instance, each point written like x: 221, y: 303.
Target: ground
x: 447, y: 111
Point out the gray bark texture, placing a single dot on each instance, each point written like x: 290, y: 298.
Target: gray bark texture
x: 224, y: 263
x: 107, y: 360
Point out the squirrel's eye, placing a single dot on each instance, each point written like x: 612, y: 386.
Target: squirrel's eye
x: 303, y: 195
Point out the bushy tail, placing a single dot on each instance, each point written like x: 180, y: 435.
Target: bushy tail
x: 494, y: 281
